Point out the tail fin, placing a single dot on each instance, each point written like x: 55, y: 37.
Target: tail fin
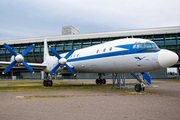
x: 46, y: 52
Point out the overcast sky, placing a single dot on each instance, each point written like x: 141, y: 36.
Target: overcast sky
x: 35, y: 18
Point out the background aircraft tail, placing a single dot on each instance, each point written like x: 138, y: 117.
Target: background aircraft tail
x: 46, y: 52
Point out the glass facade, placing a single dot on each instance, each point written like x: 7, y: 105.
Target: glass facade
x: 166, y: 41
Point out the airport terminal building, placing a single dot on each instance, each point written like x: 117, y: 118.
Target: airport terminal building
x: 165, y: 38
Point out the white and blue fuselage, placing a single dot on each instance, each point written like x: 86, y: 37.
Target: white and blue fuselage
x: 130, y: 55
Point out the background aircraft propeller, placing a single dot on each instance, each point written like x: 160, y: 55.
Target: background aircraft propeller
x: 62, y: 61
x: 18, y: 58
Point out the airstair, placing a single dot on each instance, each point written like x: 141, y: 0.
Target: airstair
x: 144, y: 79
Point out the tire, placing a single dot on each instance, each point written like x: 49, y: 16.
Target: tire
x: 45, y: 83
x: 143, y: 88
x: 104, y: 81
x: 137, y: 87
x: 97, y: 81
x: 50, y: 83
x: 100, y: 81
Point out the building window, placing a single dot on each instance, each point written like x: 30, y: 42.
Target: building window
x: 170, y: 39
x: 86, y: 43
x: 159, y: 40
x: 77, y: 44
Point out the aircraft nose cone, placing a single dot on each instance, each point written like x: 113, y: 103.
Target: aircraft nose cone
x: 167, y: 58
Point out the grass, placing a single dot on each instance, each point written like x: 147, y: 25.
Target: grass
x: 178, y: 81
x: 37, y: 85
x: 89, y: 89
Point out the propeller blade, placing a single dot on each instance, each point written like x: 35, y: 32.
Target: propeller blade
x: 9, y: 67
x: 70, y: 70
x: 9, y: 49
x: 27, y: 50
x: 27, y: 66
x: 54, y: 69
x: 55, y: 53
x: 69, y: 54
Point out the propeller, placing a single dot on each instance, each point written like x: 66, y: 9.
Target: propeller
x: 18, y: 58
x: 62, y: 61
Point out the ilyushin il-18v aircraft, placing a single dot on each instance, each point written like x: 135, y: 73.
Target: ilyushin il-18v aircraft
x: 129, y: 55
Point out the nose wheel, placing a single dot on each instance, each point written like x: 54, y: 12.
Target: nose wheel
x: 139, y: 88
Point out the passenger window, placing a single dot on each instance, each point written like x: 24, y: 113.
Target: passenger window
x: 97, y: 51
x: 77, y: 55
x: 104, y: 50
x: 74, y: 55
x: 143, y: 45
x: 110, y: 48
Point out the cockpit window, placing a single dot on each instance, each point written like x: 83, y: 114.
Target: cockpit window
x: 134, y: 46
x: 142, y: 45
x: 148, y: 45
x: 153, y: 46
x: 145, y: 45
x: 138, y: 45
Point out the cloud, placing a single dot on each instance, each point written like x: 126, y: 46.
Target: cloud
x: 45, y: 17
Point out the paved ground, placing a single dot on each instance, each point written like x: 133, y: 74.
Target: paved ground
x: 96, y: 106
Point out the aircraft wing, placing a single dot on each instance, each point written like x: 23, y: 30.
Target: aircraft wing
x: 4, y: 64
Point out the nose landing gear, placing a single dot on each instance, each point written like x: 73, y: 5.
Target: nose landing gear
x: 139, y: 88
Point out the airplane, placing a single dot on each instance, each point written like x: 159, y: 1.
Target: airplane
x: 129, y: 55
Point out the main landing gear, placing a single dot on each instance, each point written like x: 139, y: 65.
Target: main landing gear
x: 47, y: 82
x: 100, y: 80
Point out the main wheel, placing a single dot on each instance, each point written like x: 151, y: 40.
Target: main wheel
x: 137, y: 87
x: 45, y: 83
x: 50, y: 83
x: 97, y: 81
x: 104, y: 81
x: 100, y: 81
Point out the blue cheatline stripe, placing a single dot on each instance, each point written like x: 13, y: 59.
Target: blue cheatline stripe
x: 104, y: 55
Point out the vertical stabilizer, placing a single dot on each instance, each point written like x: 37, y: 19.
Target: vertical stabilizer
x: 46, y: 52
